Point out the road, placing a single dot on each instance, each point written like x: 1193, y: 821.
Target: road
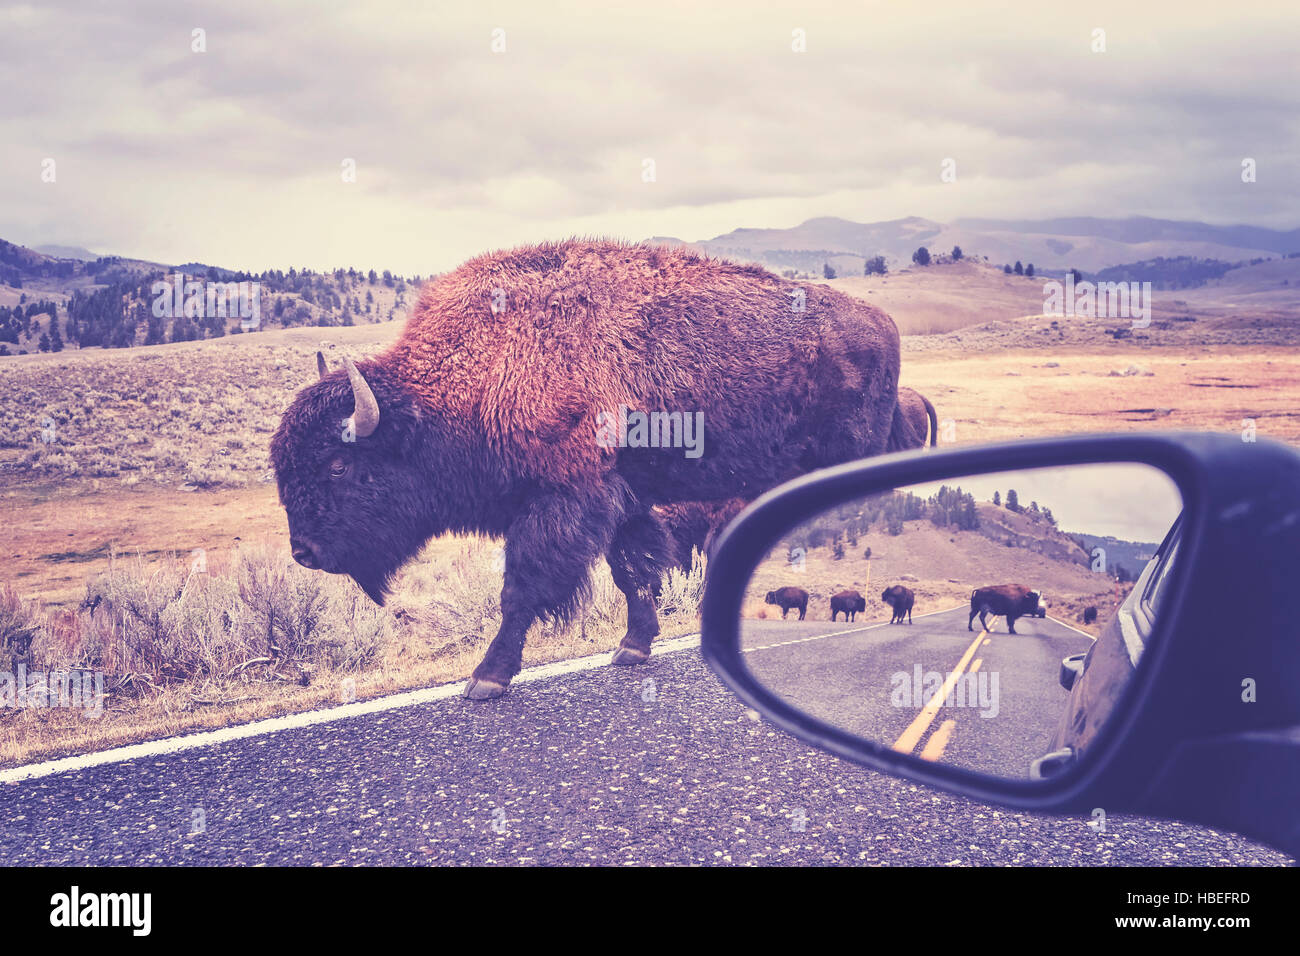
x: 874, y: 679
x: 656, y: 764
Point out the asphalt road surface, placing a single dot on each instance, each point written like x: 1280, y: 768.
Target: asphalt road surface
x: 656, y: 764
x: 994, y: 698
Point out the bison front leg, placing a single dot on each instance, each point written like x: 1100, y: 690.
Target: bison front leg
x: 504, y: 657
x: 549, y: 553
x: 638, y: 557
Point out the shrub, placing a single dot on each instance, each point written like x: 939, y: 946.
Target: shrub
x: 178, y: 619
x: 19, y: 628
x: 683, y: 590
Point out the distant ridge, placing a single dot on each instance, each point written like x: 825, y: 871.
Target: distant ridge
x: 1085, y: 243
x: 67, y: 252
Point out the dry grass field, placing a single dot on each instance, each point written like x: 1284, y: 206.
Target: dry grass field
x: 119, y: 468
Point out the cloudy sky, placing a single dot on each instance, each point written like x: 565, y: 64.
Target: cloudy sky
x: 1122, y: 499
x: 235, y: 156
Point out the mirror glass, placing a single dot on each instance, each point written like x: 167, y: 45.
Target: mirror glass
x: 989, y: 621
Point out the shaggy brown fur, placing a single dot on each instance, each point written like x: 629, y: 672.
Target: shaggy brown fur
x: 901, y: 599
x: 1002, y: 600
x: 851, y: 603
x: 488, y: 421
x: 695, y: 526
x: 788, y: 598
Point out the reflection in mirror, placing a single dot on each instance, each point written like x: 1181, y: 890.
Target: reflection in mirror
x: 988, y: 621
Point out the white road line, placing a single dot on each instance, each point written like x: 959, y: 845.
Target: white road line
x: 1075, y: 629
x: 310, y: 718
x: 853, y: 630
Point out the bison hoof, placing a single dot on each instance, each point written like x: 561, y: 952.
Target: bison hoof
x: 480, y: 688
x: 627, y: 656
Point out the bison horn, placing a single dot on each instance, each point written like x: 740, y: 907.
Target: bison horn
x: 365, y: 410
x: 320, y: 364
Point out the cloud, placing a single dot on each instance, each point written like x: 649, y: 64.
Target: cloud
x: 233, y: 155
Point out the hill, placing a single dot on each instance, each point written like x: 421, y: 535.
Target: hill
x: 68, y: 252
x: 48, y: 303
x: 941, y: 563
x: 1053, y: 245
x: 973, y: 306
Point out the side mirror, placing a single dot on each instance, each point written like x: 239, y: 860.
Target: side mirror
x: 895, y: 612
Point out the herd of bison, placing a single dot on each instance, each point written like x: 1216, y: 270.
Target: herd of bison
x: 1012, y: 601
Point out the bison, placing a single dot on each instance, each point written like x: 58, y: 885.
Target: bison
x: 787, y: 598
x: 515, y: 404
x: 695, y: 525
x: 916, y: 418
x: 850, y: 602
x: 901, y: 600
x: 1089, y: 615
x: 1005, y: 600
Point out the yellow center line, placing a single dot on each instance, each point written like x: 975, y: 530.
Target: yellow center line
x: 976, y: 665
x: 934, y: 747
x: 916, y: 730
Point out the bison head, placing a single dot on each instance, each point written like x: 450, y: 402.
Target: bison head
x: 859, y: 604
x: 771, y: 597
x: 346, y: 464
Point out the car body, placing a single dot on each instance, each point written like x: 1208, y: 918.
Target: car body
x: 1097, y: 684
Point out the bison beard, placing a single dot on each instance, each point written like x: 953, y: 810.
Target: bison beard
x: 486, y: 420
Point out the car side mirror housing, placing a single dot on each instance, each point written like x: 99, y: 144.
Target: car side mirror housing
x: 1181, y: 700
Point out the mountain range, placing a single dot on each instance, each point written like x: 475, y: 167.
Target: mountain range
x: 1052, y: 245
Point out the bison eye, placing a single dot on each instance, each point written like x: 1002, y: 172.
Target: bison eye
x: 338, y: 468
